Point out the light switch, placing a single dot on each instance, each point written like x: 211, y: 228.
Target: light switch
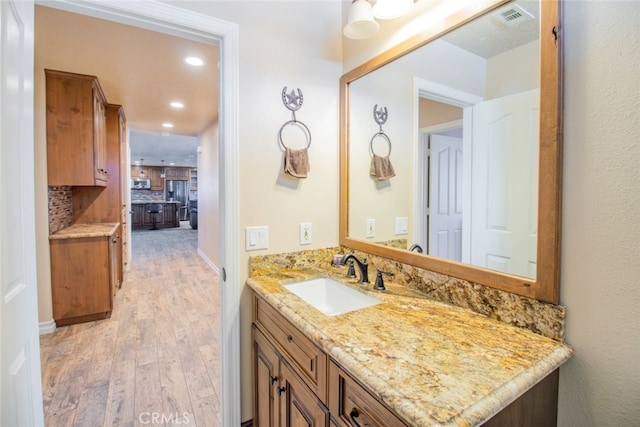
x: 402, y: 225
x: 257, y: 238
x: 371, y: 227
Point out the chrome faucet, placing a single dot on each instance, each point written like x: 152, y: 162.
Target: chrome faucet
x: 362, y: 266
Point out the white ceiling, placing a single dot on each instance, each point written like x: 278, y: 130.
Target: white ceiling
x: 141, y: 70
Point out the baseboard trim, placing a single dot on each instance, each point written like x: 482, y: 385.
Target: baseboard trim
x: 248, y: 423
x: 208, y: 261
x: 47, y: 327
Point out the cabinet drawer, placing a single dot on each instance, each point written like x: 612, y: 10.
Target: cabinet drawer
x: 350, y: 404
x: 308, y: 360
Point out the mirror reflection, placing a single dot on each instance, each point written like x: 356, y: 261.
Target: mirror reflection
x: 462, y: 128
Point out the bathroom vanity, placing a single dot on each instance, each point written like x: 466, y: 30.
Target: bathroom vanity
x: 408, y: 360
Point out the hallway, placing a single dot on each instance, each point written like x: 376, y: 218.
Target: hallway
x: 156, y: 360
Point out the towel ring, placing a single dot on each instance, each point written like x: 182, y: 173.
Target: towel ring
x: 384, y: 135
x: 304, y: 127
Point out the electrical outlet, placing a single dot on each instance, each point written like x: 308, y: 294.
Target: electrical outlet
x: 305, y: 233
x: 371, y: 227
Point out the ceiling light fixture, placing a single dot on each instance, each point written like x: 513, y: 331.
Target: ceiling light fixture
x: 176, y: 104
x: 167, y: 125
x: 192, y: 60
x: 391, y: 9
x: 361, y: 23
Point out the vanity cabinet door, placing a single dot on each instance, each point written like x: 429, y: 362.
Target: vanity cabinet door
x: 299, y: 406
x: 309, y: 361
x: 266, y: 368
x: 351, y: 405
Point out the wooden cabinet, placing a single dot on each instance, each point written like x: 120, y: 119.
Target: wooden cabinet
x: 266, y: 367
x: 180, y: 174
x: 84, y: 278
x: 350, y: 404
x: 295, y: 383
x: 157, y: 182
x: 290, y: 373
x: 282, y: 398
x: 76, y: 130
x: 137, y: 215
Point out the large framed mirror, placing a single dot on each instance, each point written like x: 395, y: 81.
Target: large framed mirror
x: 464, y: 123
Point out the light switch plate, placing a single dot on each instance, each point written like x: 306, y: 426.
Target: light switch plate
x: 402, y: 225
x: 305, y: 233
x: 371, y: 227
x: 257, y: 238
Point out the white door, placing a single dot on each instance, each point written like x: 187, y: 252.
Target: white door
x: 21, y: 392
x: 504, y: 183
x: 445, y: 197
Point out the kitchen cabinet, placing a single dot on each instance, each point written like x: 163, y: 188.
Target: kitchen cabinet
x: 176, y: 173
x: 76, y: 130
x: 137, y: 214
x: 84, y: 277
x: 157, y: 182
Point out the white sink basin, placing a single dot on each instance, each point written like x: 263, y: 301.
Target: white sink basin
x: 331, y: 297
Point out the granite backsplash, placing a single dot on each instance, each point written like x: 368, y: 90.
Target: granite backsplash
x: 542, y: 318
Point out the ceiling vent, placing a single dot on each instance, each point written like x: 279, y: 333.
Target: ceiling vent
x: 513, y: 16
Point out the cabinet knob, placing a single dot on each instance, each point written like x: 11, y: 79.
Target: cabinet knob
x: 273, y: 379
x: 289, y: 338
x: 352, y: 417
x: 281, y: 390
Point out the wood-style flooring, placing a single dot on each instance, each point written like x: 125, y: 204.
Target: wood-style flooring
x: 156, y: 360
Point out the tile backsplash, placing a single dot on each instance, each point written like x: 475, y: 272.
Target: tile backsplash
x: 542, y: 318
x: 60, y: 208
x: 147, y: 195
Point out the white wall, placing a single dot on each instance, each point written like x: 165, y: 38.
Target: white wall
x: 600, y: 385
x: 209, y: 195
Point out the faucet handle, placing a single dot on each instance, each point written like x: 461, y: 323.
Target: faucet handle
x: 379, y: 285
x: 351, y: 271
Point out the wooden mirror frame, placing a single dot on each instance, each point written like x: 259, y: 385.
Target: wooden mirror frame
x: 545, y: 287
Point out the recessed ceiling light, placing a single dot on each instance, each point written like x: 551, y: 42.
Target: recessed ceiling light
x: 167, y: 125
x: 176, y: 104
x: 171, y: 164
x: 192, y: 60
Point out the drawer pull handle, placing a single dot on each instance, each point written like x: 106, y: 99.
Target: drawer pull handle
x: 352, y: 417
x: 273, y: 379
x: 281, y: 390
x: 290, y: 338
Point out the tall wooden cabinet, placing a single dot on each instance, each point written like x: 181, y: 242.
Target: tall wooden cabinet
x: 76, y: 130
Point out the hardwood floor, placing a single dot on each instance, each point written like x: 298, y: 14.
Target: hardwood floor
x: 156, y: 360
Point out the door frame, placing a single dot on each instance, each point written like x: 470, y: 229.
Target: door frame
x: 168, y: 19
x: 427, y: 89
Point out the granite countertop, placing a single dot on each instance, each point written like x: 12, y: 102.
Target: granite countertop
x: 146, y: 202
x: 433, y: 363
x: 86, y: 230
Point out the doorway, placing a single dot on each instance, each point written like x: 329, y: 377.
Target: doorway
x: 179, y: 22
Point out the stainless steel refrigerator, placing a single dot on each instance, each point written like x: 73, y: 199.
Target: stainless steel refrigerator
x: 178, y: 191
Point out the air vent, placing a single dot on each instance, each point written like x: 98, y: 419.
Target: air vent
x: 513, y: 16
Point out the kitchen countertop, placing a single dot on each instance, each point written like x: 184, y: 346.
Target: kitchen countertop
x: 433, y: 363
x: 85, y: 230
